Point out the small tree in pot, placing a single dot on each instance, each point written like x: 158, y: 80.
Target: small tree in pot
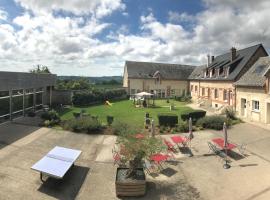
x: 133, y: 149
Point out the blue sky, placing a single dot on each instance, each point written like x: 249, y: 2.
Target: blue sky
x: 94, y: 38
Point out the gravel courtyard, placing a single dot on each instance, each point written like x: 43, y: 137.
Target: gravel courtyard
x: 92, y: 177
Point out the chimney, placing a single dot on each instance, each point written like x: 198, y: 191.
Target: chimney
x: 212, y: 59
x: 233, y: 53
x: 208, y: 60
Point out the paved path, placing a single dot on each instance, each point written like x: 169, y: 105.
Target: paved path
x: 198, y: 177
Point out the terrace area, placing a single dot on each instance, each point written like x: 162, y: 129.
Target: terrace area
x: 93, y: 176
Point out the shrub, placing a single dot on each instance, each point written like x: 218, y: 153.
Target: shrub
x: 182, y: 127
x: 84, y: 124
x: 50, y: 115
x: 213, y: 122
x: 86, y: 98
x: 122, y: 128
x: 230, y: 113
x: 195, y: 115
x: 165, y: 119
x: 51, y: 118
x: 109, y: 120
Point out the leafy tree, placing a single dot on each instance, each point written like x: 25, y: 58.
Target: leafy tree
x: 40, y: 69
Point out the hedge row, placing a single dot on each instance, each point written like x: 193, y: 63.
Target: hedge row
x: 165, y: 119
x: 86, y: 98
x: 194, y: 115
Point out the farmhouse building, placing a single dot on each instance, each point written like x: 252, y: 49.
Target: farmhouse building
x: 253, y: 92
x: 213, y: 84
x: 163, y: 80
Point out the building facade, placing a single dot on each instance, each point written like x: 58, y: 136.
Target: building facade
x: 253, y: 93
x: 213, y: 85
x: 21, y: 92
x: 163, y: 80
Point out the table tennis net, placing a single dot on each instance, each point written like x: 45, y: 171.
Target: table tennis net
x: 60, y: 158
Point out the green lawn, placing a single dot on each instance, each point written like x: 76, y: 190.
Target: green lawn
x: 126, y: 112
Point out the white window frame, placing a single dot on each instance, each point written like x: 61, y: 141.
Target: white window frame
x: 255, y: 105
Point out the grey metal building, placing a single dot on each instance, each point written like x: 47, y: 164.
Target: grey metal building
x: 23, y: 92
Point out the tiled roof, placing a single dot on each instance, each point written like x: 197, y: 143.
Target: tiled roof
x: 223, y: 61
x: 255, y: 76
x: 166, y: 71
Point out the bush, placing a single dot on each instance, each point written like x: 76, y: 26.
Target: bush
x: 109, y: 120
x: 85, y: 125
x: 120, y: 128
x: 51, y: 118
x: 195, y: 115
x: 165, y: 119
x: 86, y: 98
x: 213, y: 122
x: 182, y: 127
x: 230, y: 113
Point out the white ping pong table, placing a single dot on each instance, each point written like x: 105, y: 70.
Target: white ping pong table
x: 57, y: 162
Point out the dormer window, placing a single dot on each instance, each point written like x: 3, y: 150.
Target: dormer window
x: 227, y: 70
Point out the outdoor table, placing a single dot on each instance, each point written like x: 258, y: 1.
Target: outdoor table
x: 220, y: 143
x: 179, y: 140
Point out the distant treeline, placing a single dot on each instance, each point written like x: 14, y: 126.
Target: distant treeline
x: 94, y: 80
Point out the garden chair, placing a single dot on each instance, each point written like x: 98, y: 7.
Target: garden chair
x: 217, y: 151
x: 170, y: 147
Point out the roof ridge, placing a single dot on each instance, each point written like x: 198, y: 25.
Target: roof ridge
x: 260, y: 44
x: 160, y: 63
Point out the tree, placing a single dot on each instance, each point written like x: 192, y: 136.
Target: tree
x: 134, y: 150
x: 40, y: 69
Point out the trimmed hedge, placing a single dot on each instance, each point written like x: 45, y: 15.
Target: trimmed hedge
x: 213, y: 122
x: 195, y: 115
x: 166, y: 119
x: 86, y: 98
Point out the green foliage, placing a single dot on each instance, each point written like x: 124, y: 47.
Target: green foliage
x: 182, y: 127
x: 230, y: 113
x: 195, y: 115
x: 83, y: 125
x: 167, y: 119
x: 51, y: 118
x: 121, y: 128
x: 86, y: 98
x: 109, y: 120
x: 40, y: 69
x: 213, y: 122
x: 133, y: 150
x: 79, y: 84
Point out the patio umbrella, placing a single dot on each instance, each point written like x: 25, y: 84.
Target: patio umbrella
x: 226, y: 165
x: 190, y: 136
x: 152, y: 128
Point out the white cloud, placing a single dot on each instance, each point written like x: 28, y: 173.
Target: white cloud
x: 183, y: 17
x: 69, y: 45
x: 99, y: 8
x: 3, y: 15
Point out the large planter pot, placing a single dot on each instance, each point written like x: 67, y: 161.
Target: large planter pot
x: 130, y: 187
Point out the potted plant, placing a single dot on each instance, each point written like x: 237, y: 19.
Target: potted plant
x: 134, y: 148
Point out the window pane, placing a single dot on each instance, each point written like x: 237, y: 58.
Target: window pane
x: 38, y: 98
x: 4, y: 106
x: 17, y: 103
x: 4, y: 93
x: 29, y: 101
x: 17, y: 92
